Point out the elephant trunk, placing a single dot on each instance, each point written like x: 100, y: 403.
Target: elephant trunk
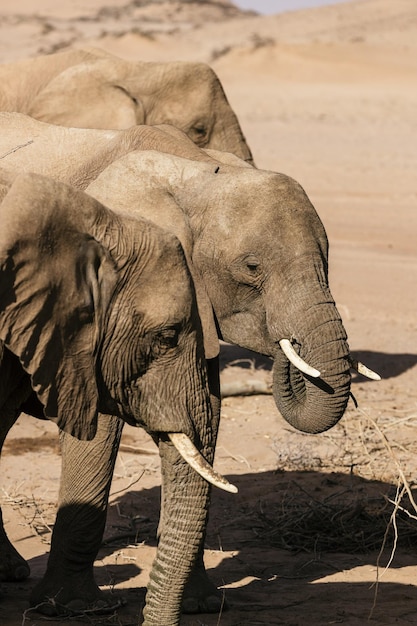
x: 185, y: 503
x: 313, y: 402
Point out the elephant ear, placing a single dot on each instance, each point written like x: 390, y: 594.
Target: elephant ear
x: 175, y: 222
x: 55, y: 283
x: 87, y: 96
x: 205, y: 310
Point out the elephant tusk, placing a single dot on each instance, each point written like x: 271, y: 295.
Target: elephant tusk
x: 296, y: 360
x: 365, y: 371
x: 189, y: 453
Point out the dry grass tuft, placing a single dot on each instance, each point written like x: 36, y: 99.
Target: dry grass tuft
x: 377, y: 511
x: 303, y: 524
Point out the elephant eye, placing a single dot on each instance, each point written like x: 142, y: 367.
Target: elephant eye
x: 167, y: 338
x: 198, y: 133
x: 199, y: 130
x: 252, y: 266
x: 248, y: 270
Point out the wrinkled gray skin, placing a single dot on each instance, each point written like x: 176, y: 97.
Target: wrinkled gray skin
x: 94, y: 89
x: 98, y: 313
x: 254, y: 242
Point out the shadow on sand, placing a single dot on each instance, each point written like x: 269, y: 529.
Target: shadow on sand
x: 282, y: 545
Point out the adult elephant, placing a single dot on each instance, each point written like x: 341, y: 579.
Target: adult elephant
x: 98, y: 314
x: 91, y: 88
x: 256, y: 245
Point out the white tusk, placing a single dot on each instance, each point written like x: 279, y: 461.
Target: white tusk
x: 296, y: 360
x: 365, y: 371
x: 189, y: 453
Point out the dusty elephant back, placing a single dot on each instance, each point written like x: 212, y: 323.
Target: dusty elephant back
x: 22, y: 80
x: 94, y: 89
x: 79, y: 155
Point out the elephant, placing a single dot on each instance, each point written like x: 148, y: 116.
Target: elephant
x: 256, y: 247
x: 91, y: 88
x: 98, y: 317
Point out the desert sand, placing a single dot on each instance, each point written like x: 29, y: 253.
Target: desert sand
x: 317, y: 534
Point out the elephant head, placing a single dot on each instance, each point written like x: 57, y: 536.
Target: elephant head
x: 95, y: 89
x: 264, y: 258
x: 262, y: 253
x: 101, y: 312
x: 207, y: 118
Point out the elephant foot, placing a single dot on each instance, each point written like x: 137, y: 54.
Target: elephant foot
x: 201, y: 595
x: 13, y: 567
x: 72, y: 595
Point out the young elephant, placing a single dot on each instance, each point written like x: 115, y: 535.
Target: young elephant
x: 98, y: 316
x: 95, y: 89
x: 255, y: 245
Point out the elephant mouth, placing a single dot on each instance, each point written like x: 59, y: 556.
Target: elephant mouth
x: 313, y: 373
x: 294, y: 358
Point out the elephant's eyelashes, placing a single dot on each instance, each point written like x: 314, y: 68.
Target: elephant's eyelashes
x: 248, y: 270
x: 166, y: 339
x: 252, y: 267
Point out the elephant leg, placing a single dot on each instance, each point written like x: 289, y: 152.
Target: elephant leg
x: 13, y: 566
x: 68, y: 585
x: 15, y: 389
x: 201, y: 595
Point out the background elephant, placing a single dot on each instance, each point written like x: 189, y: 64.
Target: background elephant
x: 98, y: 314
x: 94, y: 89
x: 257, y: 247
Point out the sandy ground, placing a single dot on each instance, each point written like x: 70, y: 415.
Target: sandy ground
x: 328, y: 96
